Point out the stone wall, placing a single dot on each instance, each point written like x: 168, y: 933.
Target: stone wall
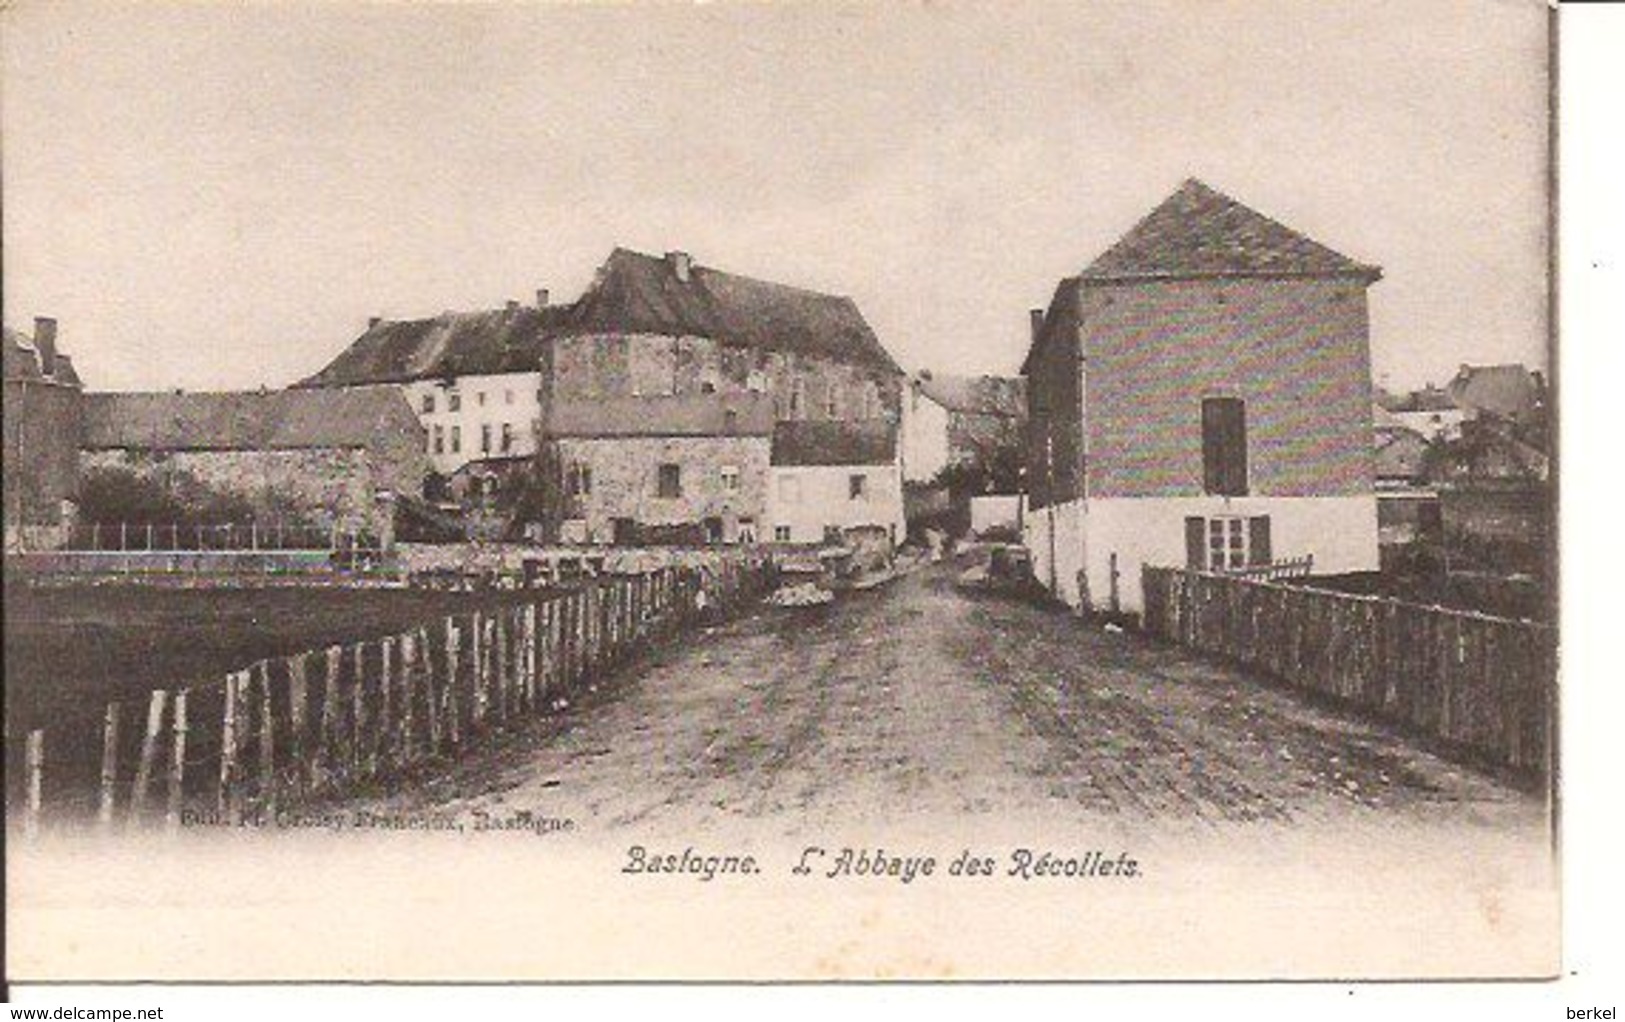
x: 622, y: 365
x: 625, y: 475
x: 42, y: 429
x: 324, y: 487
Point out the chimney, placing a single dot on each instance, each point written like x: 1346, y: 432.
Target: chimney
x: 1035, y: 317
x: 680, y: 263
x: 513, y: 305
x: 373, y: 321
x: 45, y: 344
x: 541, y: 298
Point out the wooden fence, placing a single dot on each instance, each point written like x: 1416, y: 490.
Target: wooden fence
x: 326, y: 722
x: 1482, y: 684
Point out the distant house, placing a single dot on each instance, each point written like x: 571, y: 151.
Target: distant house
x: 836, y: 482
x: 334, y: 460
x: 1407, y: 505
x: 1511, y: 393
x: 961, y: 420
x: 42, y: 412
x: 682, y: 468
x: 1200, y: 394
x: 1430, y: 412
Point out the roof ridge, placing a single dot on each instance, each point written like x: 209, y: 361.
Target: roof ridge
x: 745, y: 277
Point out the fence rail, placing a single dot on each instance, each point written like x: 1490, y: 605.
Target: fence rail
x: 136, y: 537
x: 1482, y: 684
x: 326, y: 722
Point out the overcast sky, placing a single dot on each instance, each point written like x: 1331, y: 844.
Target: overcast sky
x: 218, y: 196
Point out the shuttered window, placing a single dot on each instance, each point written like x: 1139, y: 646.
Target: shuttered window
x: 1224, y: 446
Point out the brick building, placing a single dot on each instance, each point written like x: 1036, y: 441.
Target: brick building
x: 1200, y: 394
x: 42, y: 413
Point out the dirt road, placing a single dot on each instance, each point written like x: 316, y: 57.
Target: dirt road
x: 919, y: 701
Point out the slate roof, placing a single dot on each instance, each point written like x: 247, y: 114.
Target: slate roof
x: 632, y: 293
x: 246, y: 421
x: 809, y: 442
x: 1003, y: 396
x: 1198, y: 232
x: 671, y: 415
x: 450, y: 344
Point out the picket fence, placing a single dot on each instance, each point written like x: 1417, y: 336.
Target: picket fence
x: 323, y: 723
x: 1482, y: 684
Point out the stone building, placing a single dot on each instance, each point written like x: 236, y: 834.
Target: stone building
x: 664, y: 339
x: 1200, y: 394
x: 676, y: 468
x: 42, y: 414
x: 329, y: 460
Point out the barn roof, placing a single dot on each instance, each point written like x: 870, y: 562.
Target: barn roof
x: 1200, y: 232
x: 807, y: 442
x: 632, y: 293
x: 247, y: 421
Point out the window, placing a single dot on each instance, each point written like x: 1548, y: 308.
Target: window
x: 440, y: 440
x: 789, y: 489
x: 454, y: 401
x: 507, y: 397
x: 507, y: 437
x: 857, y: 486
x: 1224, y: 446
x: 479, y: 398
x: 832, y: 401
x: 708, y: 387
x: 781, y: 533
x: 485, y: 438
x: 798, y: 400
x: 456, y: 439
x: 747, y: 531
x: 428, y: 403
x: 832, y: 534
x: 578, y: 479
x: 1227, y: 543
x: 730, y: 478
x: 671, y: 481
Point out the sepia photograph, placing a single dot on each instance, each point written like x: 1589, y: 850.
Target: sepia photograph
x: 905, y: 491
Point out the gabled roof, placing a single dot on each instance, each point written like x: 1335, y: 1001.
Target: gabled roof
x: 450, y: 344
x: 669, y: 415
x: 807, y: 442
x: 1198, y: 232
x: 247, y: 421
x: 1002, y: 396
x: 643, y: 294
x: 632, y: 293
x: 22, y: 361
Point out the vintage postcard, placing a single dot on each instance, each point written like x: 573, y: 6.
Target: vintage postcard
x: 779, y: 491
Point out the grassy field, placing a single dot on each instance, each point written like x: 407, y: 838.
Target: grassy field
x: 68, y: 652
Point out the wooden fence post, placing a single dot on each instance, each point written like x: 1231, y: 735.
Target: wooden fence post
x: 328, y: 738
x: 531, y: 658
x: 35, y: 764
x: 476, y: 669
x: 267, y: 714
x: 303, y: 757
x: 454, y: 726
x: 409, y: 674
x: 385, y: 747
x: 149, y: 754
x: 227, y: 800
x: 431, y: 696
x: 177, y: 763
x: 110, y: 729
